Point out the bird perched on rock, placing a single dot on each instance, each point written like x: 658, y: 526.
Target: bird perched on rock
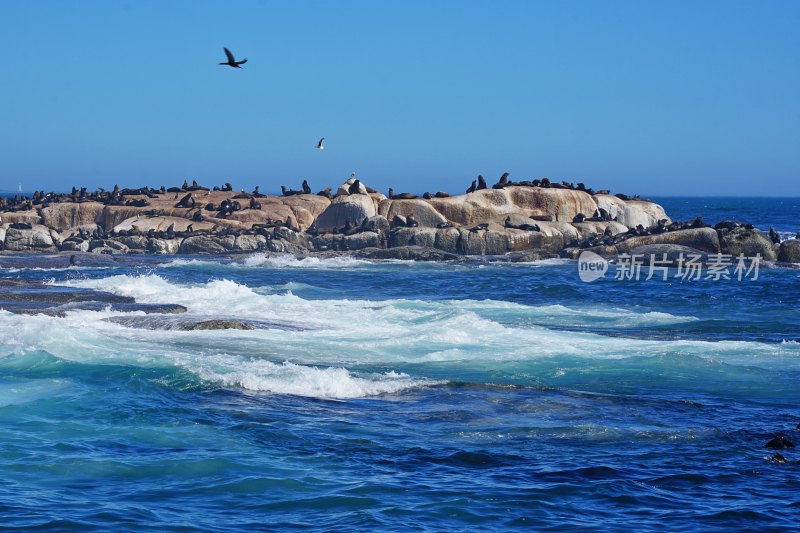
x: 231, y: 62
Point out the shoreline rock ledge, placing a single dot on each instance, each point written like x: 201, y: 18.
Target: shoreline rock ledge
x: 534, y: 220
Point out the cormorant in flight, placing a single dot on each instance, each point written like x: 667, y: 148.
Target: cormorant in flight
x: 231, y: 62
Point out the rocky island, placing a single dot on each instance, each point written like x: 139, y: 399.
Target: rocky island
x: 524, y: 220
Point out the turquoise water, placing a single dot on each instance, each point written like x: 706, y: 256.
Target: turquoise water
x: 395, y: 396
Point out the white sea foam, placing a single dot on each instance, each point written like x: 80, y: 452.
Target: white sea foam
x: 341, y: 338
x: 331, y: 382
x: 290, y: 261
x: 553, y: 261
x: 284, y: 261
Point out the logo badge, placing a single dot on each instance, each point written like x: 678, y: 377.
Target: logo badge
x: 591, y: 267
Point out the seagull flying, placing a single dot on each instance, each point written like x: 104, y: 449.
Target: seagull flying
x: 319, y: 144
x: 231, y: 62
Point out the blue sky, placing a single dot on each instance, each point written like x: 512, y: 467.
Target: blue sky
x: 678, y: 98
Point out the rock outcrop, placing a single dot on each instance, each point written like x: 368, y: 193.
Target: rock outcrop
x: 529, y: 218
x: 747, y: 241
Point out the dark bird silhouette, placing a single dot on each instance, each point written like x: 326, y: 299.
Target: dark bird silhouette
x: 231, y: 62
x: 320, y: 146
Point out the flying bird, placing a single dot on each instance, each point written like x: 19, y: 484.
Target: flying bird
x: 231, y: 62
x: 319, y: 144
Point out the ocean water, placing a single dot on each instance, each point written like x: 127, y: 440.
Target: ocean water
x: 781, y: 213
x: 402, y: 395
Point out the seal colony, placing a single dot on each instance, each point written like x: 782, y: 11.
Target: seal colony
x: 529, y: 218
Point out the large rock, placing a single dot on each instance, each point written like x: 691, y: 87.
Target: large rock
x: 747, y: 242
x: 306, y: 208
x: 483, y: 242
x: 587, y: 229
x: 249, y: 243
x: 21, y: 217
x: 422, y: 211
x: 494, y: 205
x: 75, y: 246
x: 354, y: 207
x: 412, y: 237
x: 136, y: 243
x: 378, y: 224
x: 145, y: 224
x: 163, y: 246
x: 344, y: 188
x: 789, y: 251
x: 631, y: 213
x: 203, y: 244
x: 447, y: 240
x: 295, y: 238
x: 36, y: 239
x: 703, y: 239
x: 65, y: 216
x: 357, y: 241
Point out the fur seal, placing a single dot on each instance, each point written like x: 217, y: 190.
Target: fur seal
x: 779, y: 442
x: 502, y: 182
x: 479, y: 227
x: 355, y: 187
x: 472, y: 187
x: 186, y: 201
x: 481, y: 182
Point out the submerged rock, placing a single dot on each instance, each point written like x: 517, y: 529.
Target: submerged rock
x: 183, y: 323
x: 28, y: 297
x: 407, y: 253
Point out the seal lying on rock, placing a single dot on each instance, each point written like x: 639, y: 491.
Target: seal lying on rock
x: 479, y: 227
x: 401, y: 196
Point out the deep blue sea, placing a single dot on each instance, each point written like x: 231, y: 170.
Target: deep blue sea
x: 400, y: 395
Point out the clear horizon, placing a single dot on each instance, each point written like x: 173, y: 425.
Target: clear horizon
x: 658, y: 99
